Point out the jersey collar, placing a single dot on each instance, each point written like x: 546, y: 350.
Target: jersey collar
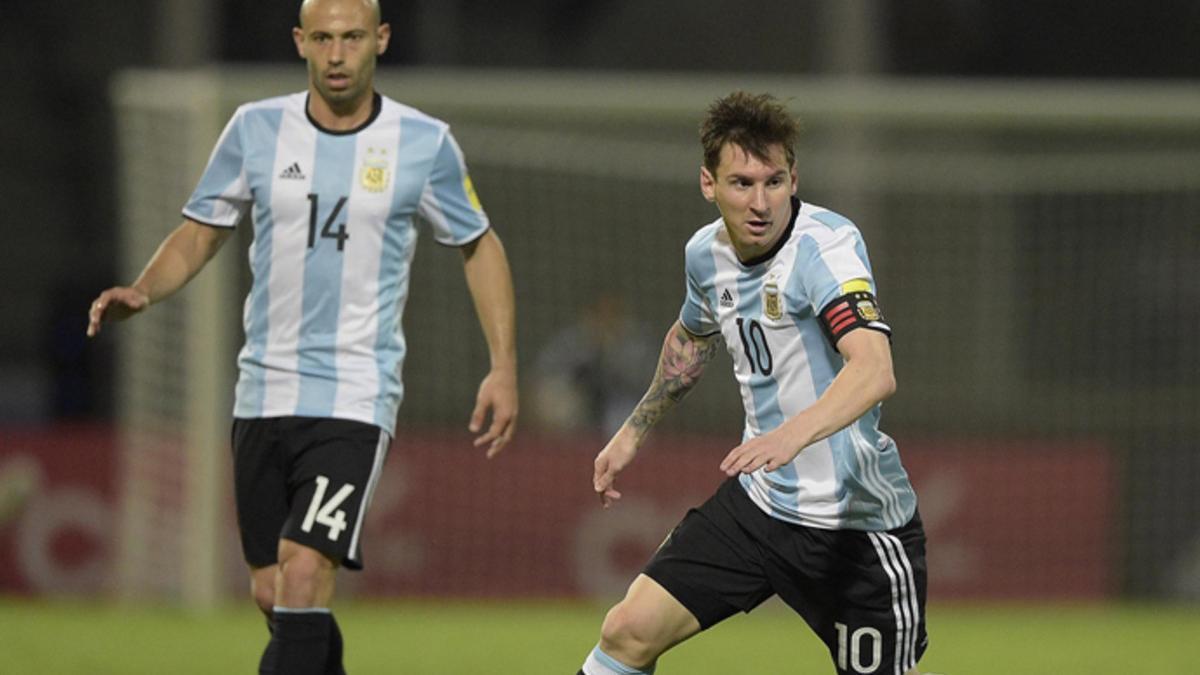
x: 376, y: 106
x: 779, y: 243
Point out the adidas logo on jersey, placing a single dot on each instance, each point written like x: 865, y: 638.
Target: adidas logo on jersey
x: 293, y: 172
x: 726, y: 298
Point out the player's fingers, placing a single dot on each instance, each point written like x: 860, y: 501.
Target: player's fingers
x: 95, y: 316
x: 501, y: 420
x: 601, y: 477
x: 753, y: 464
x: 506, y: 434
x: 477, y: 415
x: 609, y: 497
x: 745, y: 462
x: 732, y: 458
x: 93, y: 326
x: 773, y: 462
x: 487, y: 437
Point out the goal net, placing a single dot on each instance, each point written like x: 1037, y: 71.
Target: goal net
x: 1035, y: 246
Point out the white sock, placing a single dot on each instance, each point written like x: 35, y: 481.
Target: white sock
x: 599, y: 663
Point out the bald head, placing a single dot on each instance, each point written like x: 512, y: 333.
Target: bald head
x: 340, y: 40
x: 306, y: 7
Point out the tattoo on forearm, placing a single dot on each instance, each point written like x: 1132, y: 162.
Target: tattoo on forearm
x: 679, y: 368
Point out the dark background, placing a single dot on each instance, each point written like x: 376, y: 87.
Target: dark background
x: 57, y: 128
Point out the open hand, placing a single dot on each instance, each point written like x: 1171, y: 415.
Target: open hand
x: 115, y: 304
x: 771, y: 450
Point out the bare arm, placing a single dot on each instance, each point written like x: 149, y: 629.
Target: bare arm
x: 490, y: 283
x: 680, y: 366
x: 181, y: 255
x: 865, y: 381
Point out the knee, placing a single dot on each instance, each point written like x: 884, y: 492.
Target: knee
x: 304, y: 572
x: 629, y: 636
x: 262, y: 588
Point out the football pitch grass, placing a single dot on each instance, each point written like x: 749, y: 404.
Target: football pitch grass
x: 530, y: 638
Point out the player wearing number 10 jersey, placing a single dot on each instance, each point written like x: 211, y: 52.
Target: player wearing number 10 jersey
x: 817, y: 508
x: 333, y: 181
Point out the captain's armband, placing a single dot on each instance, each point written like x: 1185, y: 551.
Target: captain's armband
x: 856, y: 309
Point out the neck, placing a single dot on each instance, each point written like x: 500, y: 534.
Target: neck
x: 761, y: 254
x: 340, y: 116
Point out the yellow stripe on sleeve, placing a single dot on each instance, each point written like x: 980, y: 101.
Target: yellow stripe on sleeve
x: 855, y: 286
x: 469, y: 188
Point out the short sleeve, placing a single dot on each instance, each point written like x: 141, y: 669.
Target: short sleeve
x: 222, y: 197
x: 832, y: 259
x: 449, y: 202
x: 696, y: 315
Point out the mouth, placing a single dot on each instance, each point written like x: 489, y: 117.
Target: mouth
x: 337, y: 80
x: 758, y: 227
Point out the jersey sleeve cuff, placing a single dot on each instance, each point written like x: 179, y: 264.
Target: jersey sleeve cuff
x: 210, y: 223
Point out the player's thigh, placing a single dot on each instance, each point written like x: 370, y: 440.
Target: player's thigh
x: 260, y: 488
x: 334, y: 466
x: 711, y: 563
x: 869, y: 607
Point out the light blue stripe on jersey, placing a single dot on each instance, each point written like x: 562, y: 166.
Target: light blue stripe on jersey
x: 883, y: 470
x: 418, y: 139
x: 694, y: 316
x: 856, y: 458
x: 333, y: 177
x: 831, y: 219
x: 262, y: 131
x: 823, y: 360
x: 763, y: 388
x: 225, y: 168
x: 826, y: 286
x: 449, y: 191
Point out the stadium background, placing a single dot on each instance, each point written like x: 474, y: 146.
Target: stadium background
x: 1028, y: 180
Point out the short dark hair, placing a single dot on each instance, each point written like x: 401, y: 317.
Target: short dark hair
x: 753, y: 122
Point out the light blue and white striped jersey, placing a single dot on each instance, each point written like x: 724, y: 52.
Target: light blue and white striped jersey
x: 767, y: 314
x: 334, y: 234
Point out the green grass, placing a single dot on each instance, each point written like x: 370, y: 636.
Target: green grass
x: 454, y: 638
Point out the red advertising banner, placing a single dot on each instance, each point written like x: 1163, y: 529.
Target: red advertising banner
x: 1005, y: 520
x: 57, y: 509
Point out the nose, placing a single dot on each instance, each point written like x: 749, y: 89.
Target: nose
x: 758, y: 200
x: 337, y: 52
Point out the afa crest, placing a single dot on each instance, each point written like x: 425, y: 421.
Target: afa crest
x: 772, y: 302
x: 375, y: 171
x: 868, y: 310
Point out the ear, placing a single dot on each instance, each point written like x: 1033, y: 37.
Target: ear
x: 795, y: 179
x: 708, y: 184
x: 382, y: 35
x: 298, y: 38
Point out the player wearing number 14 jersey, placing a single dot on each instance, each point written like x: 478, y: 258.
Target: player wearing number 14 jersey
x: 334, y: 235
x: 817, y: 508
x: 333, y: 181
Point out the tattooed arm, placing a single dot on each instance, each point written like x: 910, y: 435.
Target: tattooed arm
x: 680, y: 365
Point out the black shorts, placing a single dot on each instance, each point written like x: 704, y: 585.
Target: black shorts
x: 307, y: 479
x: 863, y: 593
